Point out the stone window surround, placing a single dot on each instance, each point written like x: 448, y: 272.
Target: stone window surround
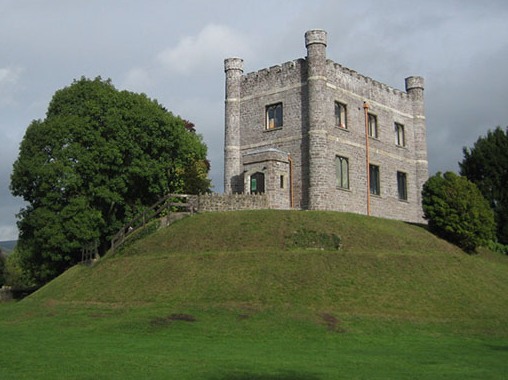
x: 268, y: 121
x: 400, y: 134
x: 341, y: 115
x: 402, y: 186
x: 375, y: 180
x: 373, y: 126
x: 342, y: 179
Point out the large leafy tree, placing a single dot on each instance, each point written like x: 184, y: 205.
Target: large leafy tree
x: 486, y: 165
x: 457, y: 211
x: 98, y: 157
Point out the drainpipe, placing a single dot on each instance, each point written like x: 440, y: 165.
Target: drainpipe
x: 367, y: 159
x: 291, y: 197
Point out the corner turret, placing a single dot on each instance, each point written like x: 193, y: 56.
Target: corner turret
x: 317, y: 134
x: 233, y: 67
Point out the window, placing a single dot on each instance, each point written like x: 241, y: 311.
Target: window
x: 274, y: 116
x: 342, y: 171
x: 281, y: 181
x: 373, y: 126
x: 257, y: 183
x: 375, y: 183
x: 340, y: 115
x: 402, y: 185
x: 400, y: 138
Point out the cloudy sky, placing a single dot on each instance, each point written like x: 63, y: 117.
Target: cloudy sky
x: 174, y: 51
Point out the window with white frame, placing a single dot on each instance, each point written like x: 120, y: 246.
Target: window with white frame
x: 342, y: 172
x: 274, y: 116
x: 340, y: 115
x: 400, y: 137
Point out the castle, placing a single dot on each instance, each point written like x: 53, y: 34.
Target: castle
x: 311, y: 134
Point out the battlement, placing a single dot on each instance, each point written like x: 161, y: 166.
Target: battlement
x: 284, y: 68
x: 288, y: 68
x: 338, y: 68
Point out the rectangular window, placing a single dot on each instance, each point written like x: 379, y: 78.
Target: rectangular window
x: 281, y: 181
x: 402, y: 185
x: 340, y: 115
x: 375, y: 182
x: 373, y: 126
x: 400, y: 138
x: 342, y: 171
x: 253, y: 185
x: 274, y: 116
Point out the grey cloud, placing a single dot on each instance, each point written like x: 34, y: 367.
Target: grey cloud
x: 458, y: 46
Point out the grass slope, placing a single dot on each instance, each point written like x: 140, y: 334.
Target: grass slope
x: 385, y: 268
x: 229, y: 296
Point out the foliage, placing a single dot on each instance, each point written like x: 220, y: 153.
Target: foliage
x: 457, y: 211
x: 495, y: 246
x: 2, y: 268
x: 15, y: 274
x: 98, y: 156
x: 486, y: 165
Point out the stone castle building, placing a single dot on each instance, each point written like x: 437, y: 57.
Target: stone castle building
x: 312, y: 134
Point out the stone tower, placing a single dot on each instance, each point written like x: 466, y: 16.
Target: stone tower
x: 233, y: 182
x: 315, y: 42
x: 414, y: 88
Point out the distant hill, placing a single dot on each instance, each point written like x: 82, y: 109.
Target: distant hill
x: 8, y: 245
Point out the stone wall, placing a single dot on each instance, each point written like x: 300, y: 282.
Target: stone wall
x: 228, y: 202
x: 5, y: 293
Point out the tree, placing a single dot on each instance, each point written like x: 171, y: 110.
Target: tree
x: 457, y: 211
x: 98, y: 157
x: 2, y: 268
x: 486, y: 165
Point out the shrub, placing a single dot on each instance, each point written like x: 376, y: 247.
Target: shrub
x: 457, y: 211
x: 498, y: 247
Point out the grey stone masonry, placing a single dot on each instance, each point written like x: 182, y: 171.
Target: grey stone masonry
x: 228, y: 202
x: 298, y: 133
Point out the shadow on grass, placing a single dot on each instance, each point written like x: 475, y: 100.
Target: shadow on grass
x: 286, y: 375
x: 498, y: 348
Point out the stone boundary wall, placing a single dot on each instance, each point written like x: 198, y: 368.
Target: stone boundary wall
x: 228, y: 202
x: 5, y: 293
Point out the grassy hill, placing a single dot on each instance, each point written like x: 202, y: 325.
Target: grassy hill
x: 273, y: 259
x: 267, y: 295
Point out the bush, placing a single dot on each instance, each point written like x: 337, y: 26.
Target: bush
x: 14, y: 275
x: 457, y: 211
x: 498, y: 247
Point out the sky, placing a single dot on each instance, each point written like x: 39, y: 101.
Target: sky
x: 174, y: 52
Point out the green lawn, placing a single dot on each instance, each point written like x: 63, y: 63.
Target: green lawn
x: 106, y: 342
x: 230, y: 296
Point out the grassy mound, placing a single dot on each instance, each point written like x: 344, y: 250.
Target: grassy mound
x: 268, y: 295
x: 249, y: 259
